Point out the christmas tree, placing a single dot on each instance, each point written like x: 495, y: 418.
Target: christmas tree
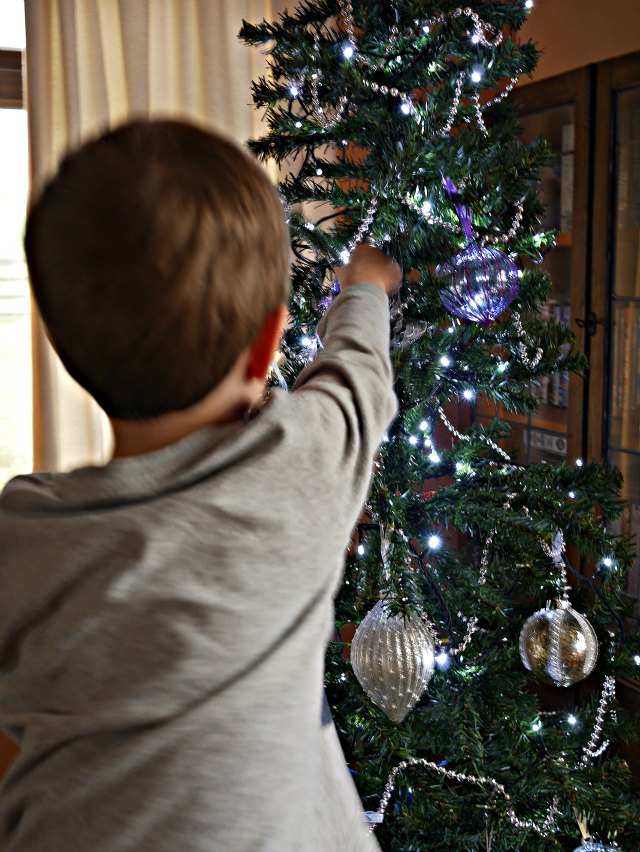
x: 472, y: 578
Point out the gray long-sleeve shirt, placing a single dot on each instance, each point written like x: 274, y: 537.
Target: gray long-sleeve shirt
x: 164, y: 620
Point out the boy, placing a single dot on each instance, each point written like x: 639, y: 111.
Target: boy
x: 165, y: 617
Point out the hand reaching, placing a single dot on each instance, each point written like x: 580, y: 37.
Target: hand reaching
x: 369, y: 265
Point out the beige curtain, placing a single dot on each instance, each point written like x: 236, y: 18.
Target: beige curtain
x: 90, y: 65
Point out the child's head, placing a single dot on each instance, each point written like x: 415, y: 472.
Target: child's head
x: 155, y: 255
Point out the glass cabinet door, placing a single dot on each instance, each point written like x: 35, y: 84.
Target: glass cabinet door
x: 614, y: 381
x: 544, y: 433
x: 557, y: 110
x: 623, y: 433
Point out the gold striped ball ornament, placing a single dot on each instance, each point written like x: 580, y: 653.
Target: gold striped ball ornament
x: 558, y: 645
x: 393, y: 658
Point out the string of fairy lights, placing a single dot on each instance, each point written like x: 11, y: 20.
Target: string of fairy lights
x: 414, y: 104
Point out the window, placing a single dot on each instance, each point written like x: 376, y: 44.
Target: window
x: 15, y: 319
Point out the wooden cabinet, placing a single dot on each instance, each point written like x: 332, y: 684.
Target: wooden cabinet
x: 612, y: 416
x: 591, y: 188
x: 612, y: 413
x: 591, y: 118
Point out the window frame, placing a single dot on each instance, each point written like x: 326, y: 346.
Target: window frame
x: 11, y: 78
x: 12, y: 97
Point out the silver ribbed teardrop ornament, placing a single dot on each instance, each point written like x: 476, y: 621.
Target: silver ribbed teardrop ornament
x: 558, y: 645
x: 393, y: 659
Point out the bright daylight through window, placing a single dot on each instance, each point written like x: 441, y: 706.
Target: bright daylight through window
x: 15, y: 334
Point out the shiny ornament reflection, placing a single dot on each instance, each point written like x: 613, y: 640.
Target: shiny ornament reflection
x: 480, y: 282
x: 393, y: 659
x: 559, y: 646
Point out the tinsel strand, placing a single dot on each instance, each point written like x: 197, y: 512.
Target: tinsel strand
x: 436, y: 220
x: 462, y: 437
x: 484, y: 781
x: 530, y: 362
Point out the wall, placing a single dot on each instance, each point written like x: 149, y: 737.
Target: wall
x: 573, y: 33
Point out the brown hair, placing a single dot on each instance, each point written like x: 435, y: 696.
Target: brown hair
x: 155, y: 255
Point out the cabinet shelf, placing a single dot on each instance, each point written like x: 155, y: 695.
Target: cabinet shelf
x: 564, y: 240
x: 551, y: 419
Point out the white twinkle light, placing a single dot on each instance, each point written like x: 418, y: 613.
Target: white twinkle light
x: 536, y: 725
x: 347, y: 51
x: 502, y: 366
x: 459, y: 466
x: 477, y: 72
x: 579, y: 463
x: 445, y: 361
x: 426, y: 208
x: 450, y: 329
x: 428, y: 442
x: 607, y: 562
x: 385, y: 437
x: 298, y: 124
x: 469, y: 394
x: 405, y: 107
x: 425, y: 29
x: 306, y: 341
x: 318, y: 171
x: 571, y: 719
x: 310, y: 226
x: 434, y: 542
x: 442, y: 659
x: 572, y: 494
x: 434, y: 457
x: 294, y: 90
x: 528, y: 4
x: 345, y: 254
x: 361, y: 550
x: 475, y: 38
x: 413, y: 440
x: 423, y: 426
x: 636, y: 659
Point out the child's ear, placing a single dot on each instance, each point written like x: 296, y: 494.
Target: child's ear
x: 266, y: 343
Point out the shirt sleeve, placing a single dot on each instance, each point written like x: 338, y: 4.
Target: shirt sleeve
x: 346, y: 398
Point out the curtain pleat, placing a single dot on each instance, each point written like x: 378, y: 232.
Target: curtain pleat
x: 91, y: 64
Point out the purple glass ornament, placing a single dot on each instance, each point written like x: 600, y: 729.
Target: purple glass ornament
x: 333, y: 293
x: 480, y: 282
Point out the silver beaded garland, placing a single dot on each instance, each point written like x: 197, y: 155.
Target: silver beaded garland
x: 531, y: 362
x: 377, y: 817
x: 433, y: 219
x: 461, y: 437
x: 326, y: 118
x: 329, y: 117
